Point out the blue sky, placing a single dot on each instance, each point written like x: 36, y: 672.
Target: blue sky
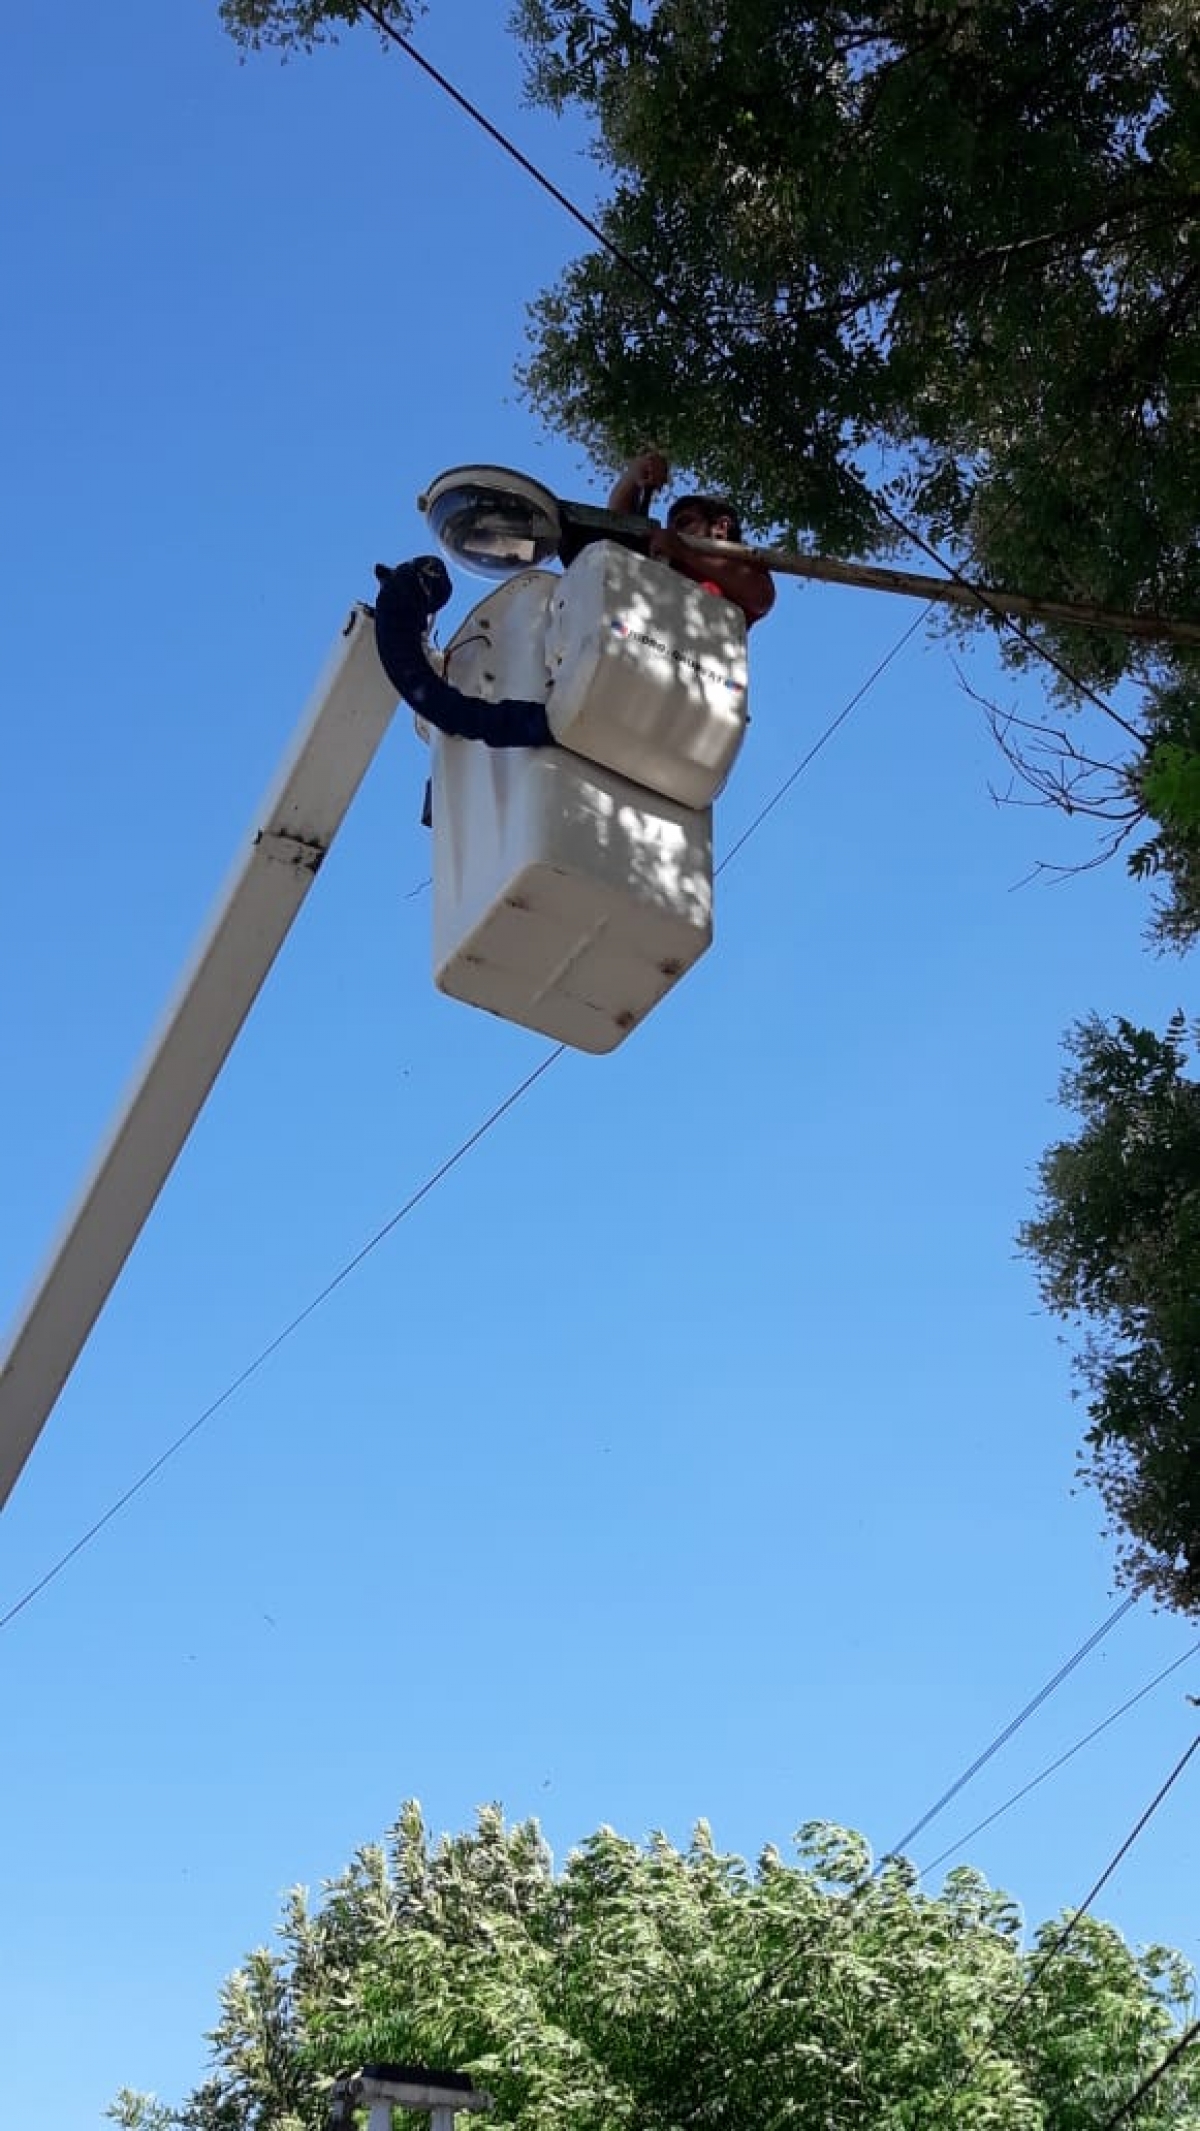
x: 698, y: 1446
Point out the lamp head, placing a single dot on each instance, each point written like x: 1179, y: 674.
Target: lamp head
x: 491, y: 520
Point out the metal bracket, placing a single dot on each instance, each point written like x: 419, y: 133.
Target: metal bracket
x: 291, y: 850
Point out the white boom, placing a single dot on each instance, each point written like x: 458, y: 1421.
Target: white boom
x: 337, y: 740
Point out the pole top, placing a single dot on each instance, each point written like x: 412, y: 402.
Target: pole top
x: 402, y: 2086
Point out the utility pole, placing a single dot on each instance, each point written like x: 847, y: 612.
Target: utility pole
x: 380, y: 2088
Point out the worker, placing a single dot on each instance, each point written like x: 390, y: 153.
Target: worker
x: 747, y: 584
x: 411, y: 593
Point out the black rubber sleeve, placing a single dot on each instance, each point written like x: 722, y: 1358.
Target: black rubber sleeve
x: 400, y: 620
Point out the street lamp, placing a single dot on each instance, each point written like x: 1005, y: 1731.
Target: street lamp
x: 493, y: 521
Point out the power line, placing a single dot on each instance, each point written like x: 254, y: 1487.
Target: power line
x: 273, y: 1345
x: 1052, y: 1767
x: 822, y: 740
x: 1058, y: 1947
x: 531, y: 169
x: 1019, y: 630
x: 410, y: 1204
x: 986, y: 600
x: 1185, y: 2041
x: 867, y: 1879
x: 1002, y: 1738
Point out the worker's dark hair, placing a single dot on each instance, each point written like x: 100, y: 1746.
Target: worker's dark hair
x: 713, y: 507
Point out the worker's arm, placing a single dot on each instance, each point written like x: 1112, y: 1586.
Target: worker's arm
x: 649, y: 471
x: 409, y: 596
x: 747, y: 584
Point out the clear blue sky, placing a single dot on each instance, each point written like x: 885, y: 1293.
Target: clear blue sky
x: 698, y: 1447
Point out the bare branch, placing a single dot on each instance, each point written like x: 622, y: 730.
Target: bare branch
x: 1048, y: 769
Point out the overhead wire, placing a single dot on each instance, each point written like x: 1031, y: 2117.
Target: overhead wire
x: 1058, y: 1946
x: 986, y: 599
x: 273, y: 1345
x: 1045, y: 1961
x: 1061, y: 1760
x: 866, y: 1879
x: 524, y: 162
x: 1182, y: 2044
x: 422, y: 1192
x: 1010, y: 1729
x: 823, y: 739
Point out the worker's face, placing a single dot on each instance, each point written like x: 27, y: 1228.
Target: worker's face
x: 700, y: 526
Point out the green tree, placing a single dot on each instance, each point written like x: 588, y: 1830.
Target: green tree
x: 140, y: 2112
x: 656, y: 1989
x: 1117, y: 1242
x: 298, y: 25
x: 953, y: 245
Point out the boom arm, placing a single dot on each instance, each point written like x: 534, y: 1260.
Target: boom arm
x: 336, y: 743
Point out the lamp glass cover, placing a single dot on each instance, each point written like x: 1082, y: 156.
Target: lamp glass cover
x: 492, y: 521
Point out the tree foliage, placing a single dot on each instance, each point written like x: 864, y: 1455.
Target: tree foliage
x: 949, y: 245
x: 646, y: 1988
x: 298, y: 25
x: 1117, y: 1244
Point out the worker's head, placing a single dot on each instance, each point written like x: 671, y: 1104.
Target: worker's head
x: 705, y: 518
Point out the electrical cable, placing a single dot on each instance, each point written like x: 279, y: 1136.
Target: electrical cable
x: 985, y: 599
x: 273, y: 1345
x: 1052, y: 1767
x: 531, y: 169
x: 867, y: 1879
x: 1183, y: 2043
x: 1002, y: 1738
x: 824, y: 738
x: 1058, y: 1947
x: 410, y: 1204
x: 1019, y: 630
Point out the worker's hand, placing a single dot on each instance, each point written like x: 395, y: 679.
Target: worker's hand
x: 422, y: 584
x: 648, y: 470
